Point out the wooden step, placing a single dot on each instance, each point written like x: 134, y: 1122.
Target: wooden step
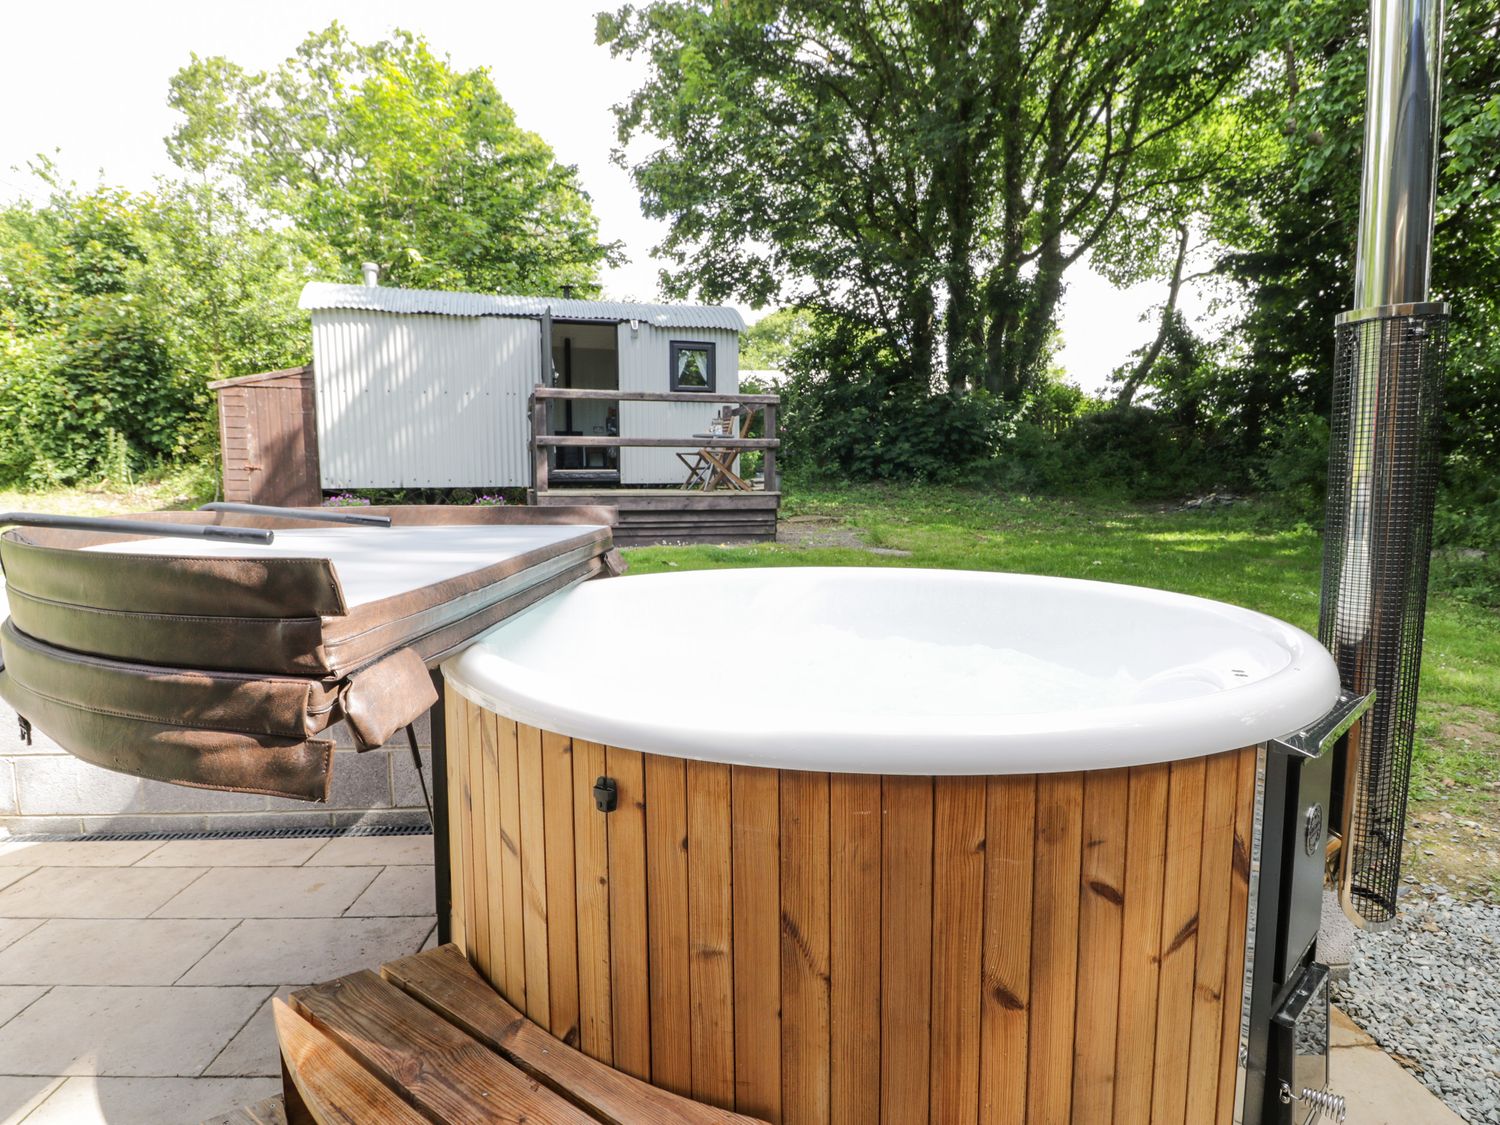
x: 429, y: 1040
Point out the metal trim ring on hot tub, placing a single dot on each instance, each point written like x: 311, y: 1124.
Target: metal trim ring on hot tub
x: 856, y: 645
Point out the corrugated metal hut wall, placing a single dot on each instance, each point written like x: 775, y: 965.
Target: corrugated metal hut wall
x: 645, y: 365
x: 268, y: 438
x: 420, y: 400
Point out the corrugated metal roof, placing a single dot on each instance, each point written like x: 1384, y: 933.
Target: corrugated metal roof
x: 383, y: 298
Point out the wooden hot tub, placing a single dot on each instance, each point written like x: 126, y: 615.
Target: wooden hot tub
x: 982, y: 856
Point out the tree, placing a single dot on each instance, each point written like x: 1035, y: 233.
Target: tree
x: 1286, y: 219
x: 929, y: 171
x: 391, y: 155
x: 116, y: 311
x: 770, y: 341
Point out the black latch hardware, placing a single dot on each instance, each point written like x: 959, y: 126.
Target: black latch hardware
x: 606, y: 794
x: 25, y: 725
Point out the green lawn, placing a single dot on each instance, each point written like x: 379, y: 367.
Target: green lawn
x: 1238, y: 554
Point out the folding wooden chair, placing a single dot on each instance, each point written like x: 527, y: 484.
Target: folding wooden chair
x: 710, y: 467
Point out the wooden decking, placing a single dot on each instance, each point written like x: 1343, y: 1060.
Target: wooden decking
x: 667, y: 515
x: 659, y: 515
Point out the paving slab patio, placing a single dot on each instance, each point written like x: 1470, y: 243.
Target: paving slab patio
x: 124, y: 1015
x: 136, y: 976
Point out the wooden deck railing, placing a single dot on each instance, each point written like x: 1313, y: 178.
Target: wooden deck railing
x: 542, y: 441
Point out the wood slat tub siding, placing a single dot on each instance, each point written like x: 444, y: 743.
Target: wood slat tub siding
x: 1179, y: 942
x: 591, y: 874
x: 562, y: 906
x: 848, y: 948
x: 805, y: 997
x: 1010, y: 846
x: 667, y: 923
x: 629, y: 955
x: 755, y: 840
x: 1101, y: 922
x: 511, y: 892
x: 854, y: 937
x: 455, y: 730
x: 957, y: 924
x: 906, y: 951
x: 710, y: 933
x: 475, y: 720
x: 533, y: 873
x: 1054, y: 946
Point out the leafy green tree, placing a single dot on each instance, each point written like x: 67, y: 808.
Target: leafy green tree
x: 928, y: 171
x: 772, y: 340
x: 389, y: 154
x: 1287, y: 220
x: 116, y: 311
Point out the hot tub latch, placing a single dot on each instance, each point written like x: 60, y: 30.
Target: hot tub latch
x: 606, y: 794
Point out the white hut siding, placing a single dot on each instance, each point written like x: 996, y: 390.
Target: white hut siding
x: 423, y: 401
x: 645, y: 366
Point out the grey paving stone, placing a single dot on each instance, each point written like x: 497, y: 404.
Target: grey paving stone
x: 110, y: 951
x: 232, y: 853
x: 76, y: 853
x: 253, y: 1052
x: 397, y: 892
x: 272, y: 950
x: 373, y: 851
x: 8, y: 787
x: 19, y: 1096
x: 96, y: 1101
x: 9, y: 875
x: 14, y: 929
x: 130, y: 1032
x: 269, y: 892
x: 94, y: 892
x: 15, y: 997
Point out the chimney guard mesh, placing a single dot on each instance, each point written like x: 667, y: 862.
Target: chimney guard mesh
x: 1387, y: 401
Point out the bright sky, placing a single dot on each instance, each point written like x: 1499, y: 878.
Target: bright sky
x: 91, y: 79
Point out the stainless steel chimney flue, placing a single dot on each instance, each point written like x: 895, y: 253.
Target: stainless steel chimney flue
x: 1388, y: 359
x: 1394, y: 261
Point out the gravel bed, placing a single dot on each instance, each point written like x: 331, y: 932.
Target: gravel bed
x: 1428, y: 991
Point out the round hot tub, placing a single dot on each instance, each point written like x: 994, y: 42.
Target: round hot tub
x: 865, y: 845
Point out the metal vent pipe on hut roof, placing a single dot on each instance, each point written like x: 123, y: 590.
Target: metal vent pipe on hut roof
x: 1383, y: 458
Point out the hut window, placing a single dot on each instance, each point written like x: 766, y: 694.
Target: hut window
x: 692, y: 366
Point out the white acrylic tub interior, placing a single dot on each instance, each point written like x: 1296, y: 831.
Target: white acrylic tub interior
x: 377, y: 562
x: 899, y: 671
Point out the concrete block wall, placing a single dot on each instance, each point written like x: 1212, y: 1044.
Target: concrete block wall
x: 44, y: 789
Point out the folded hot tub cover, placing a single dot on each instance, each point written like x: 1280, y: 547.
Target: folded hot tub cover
x: 214, y: 665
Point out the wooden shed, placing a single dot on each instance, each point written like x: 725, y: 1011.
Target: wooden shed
x: 268, y: 438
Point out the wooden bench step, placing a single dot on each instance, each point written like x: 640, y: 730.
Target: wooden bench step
x: 330, y: 1085
x: 429, y: 1040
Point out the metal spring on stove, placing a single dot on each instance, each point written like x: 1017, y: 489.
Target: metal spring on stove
x: 1322, y: 1101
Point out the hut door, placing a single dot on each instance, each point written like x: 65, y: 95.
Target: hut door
x: 549, y: 372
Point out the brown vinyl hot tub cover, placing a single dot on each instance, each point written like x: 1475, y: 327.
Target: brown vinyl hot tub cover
x: 217, y: 665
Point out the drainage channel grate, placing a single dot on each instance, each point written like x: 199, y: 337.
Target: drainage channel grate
x: 307, y: 832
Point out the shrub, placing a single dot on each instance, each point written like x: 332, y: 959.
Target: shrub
x: 851, y: 409
x: 1293, y: 465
